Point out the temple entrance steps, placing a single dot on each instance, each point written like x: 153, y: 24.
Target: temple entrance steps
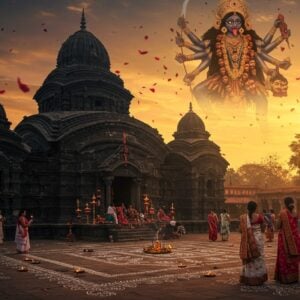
x: 126, y: 234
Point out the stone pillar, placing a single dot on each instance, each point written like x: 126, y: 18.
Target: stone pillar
x: 108, y: 183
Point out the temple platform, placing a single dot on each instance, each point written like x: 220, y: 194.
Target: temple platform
x: 105, y: 232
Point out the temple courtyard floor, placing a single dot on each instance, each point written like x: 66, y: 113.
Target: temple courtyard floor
x: 123, y: 271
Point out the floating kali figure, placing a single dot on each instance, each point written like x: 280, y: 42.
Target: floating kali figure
x: 236, y: 58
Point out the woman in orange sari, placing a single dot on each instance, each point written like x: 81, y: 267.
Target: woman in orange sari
x: 288, y: 252
x: 213, y: 226
x: 254, y: 270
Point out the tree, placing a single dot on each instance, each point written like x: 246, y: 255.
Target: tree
x: 268, y: 173
x: 232, y: 178
x: 294, y: 162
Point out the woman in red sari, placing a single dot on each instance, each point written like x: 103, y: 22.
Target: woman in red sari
x: 213, y: 226
x: 288, y: 251
x: 22, y: 235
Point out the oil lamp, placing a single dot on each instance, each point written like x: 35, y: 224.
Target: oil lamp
x: 87, y: 212
x: 93, y: 202
x: 78, y: 211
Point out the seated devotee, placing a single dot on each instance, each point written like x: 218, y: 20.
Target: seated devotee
x: 162, y: 217
x: 180, y: 229
x: 133, y: 216
x: 122, y: 219
x: 100, y: 220
x: 111, y: 216
x: 169, y: 231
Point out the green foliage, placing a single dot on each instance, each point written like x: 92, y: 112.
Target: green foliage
x: 267, y: 174
x: 294, y: 162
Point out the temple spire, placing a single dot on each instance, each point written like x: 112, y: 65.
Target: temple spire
x: 82, y: 26
x: 191, y: 106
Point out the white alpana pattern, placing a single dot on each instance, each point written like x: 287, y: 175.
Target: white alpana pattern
x: 128, y: 267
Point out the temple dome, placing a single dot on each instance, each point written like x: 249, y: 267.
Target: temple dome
x: 83, y: 48
x: 4, y: 123
x: 191, y: 126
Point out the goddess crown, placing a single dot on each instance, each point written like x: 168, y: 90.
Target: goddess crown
x: 232, y: 6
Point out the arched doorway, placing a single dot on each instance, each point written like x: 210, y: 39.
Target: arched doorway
x: 122, y: 191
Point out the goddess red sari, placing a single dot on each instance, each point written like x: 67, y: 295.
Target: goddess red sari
x: 213, y: 226
x: 288, y: 252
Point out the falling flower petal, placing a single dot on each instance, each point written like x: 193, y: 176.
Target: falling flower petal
x: 166, y: 68
x: 172, y: 29
x: 152, y: 90
x: 117, y: 72
x: 22, y: 86
x: 292, y: 109
x: 45, y: 30
x: 126, y: 63
x: 176, y: 75
x: 169, y: 79
x: 2, y: 91
x: 282, y: 48
x: 143, y: 52
x: 146, y: 37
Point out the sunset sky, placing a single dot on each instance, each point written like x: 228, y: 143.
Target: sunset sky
x: 32, y: 32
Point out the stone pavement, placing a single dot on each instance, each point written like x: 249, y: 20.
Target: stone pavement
x: 122, y: 271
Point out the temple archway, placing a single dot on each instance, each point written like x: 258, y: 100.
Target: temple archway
x: 122, y: 191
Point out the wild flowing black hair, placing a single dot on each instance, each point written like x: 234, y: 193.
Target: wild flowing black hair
x: 251, y: 207
x: 289, y: 203
x: 212, y: 34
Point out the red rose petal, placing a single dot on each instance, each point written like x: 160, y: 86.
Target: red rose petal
x: 142, y: 52
x: 22, y: 86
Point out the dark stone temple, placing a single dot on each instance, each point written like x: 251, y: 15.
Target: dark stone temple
x: 84, y: 139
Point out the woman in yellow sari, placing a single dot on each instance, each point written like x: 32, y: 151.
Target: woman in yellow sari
x: 254, y: 270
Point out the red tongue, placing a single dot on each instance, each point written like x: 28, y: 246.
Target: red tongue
x: 235, y: 31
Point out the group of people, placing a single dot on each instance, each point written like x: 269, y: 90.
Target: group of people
x: 22, y: 235
x: 126, y: 216
x: 252, y: 225
x: 214, y: 223
x: 132, y: 217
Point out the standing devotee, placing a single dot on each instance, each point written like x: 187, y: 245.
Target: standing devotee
x: 1, y: 228
x: 225, y: 225
x: 273, y: 216
x: 213, y: 226
x: 254, y: 270
x: 22, y: 235
x: 269, y: 221
x: 288, y: 252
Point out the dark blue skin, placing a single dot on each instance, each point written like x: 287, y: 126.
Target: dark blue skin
x: 233, y: 24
